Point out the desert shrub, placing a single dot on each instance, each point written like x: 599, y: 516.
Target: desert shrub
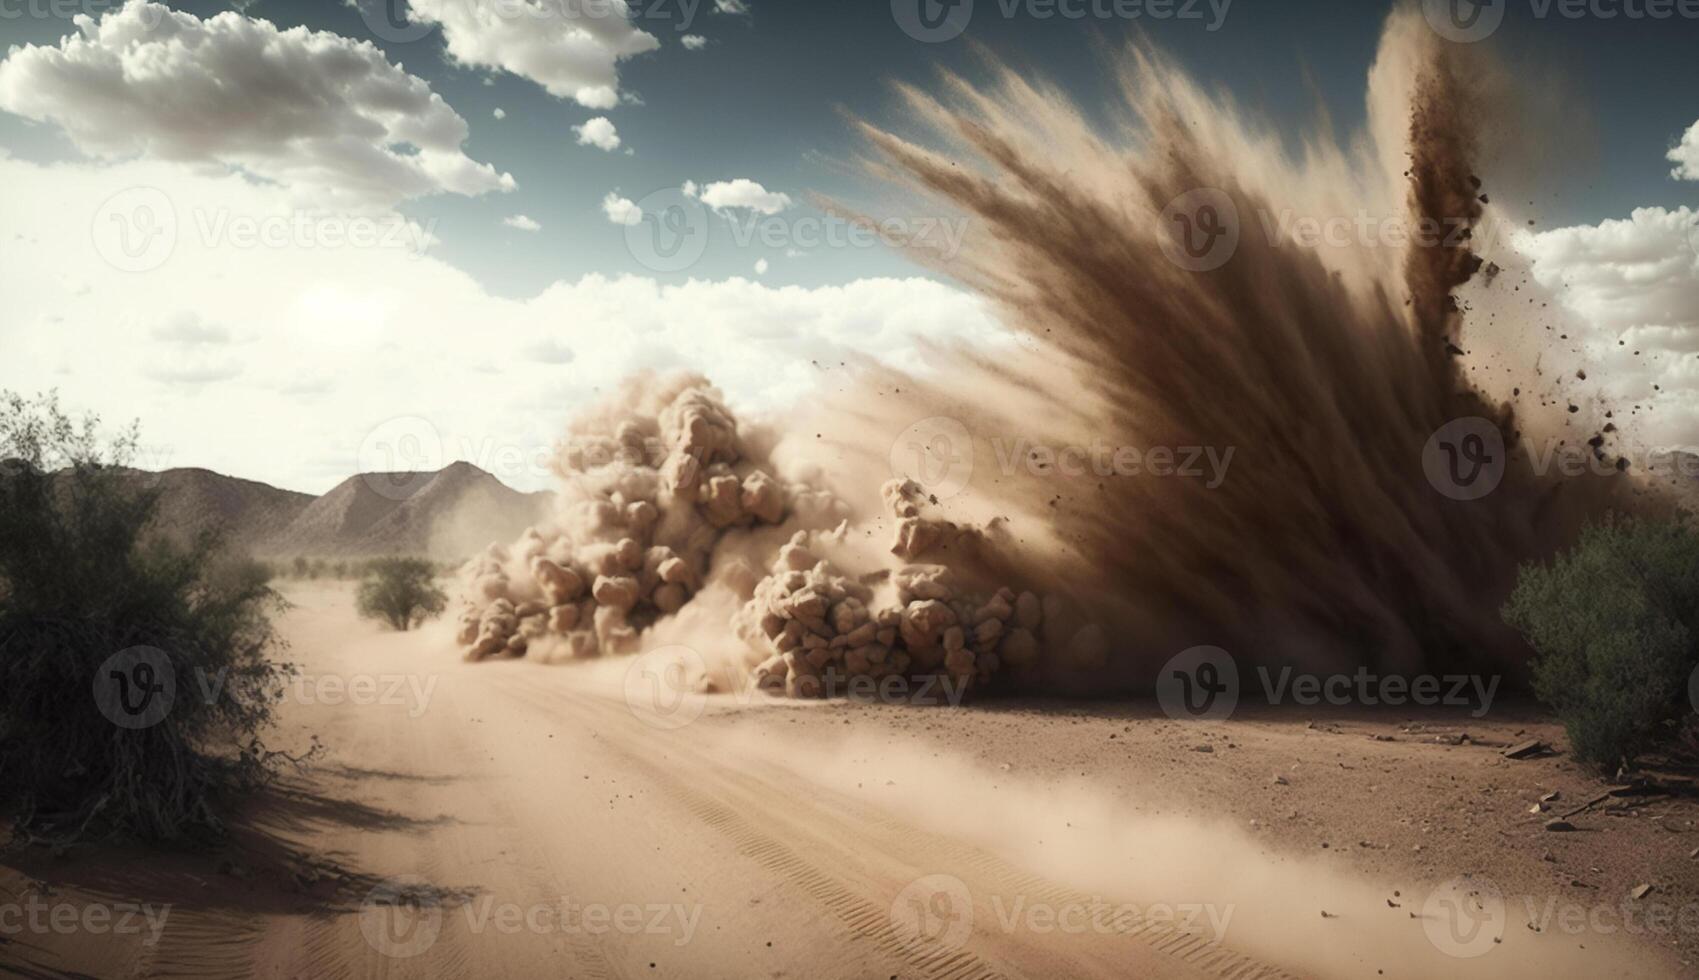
x: 401, y: 591
x: 245, y: 572
x: 81, y: 584
x: 1613, y: 624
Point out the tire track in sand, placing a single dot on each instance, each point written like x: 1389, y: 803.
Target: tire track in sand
x: 854, y: 858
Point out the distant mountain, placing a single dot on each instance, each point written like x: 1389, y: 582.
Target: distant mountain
x: 448, y: 514
x: 251, y: 513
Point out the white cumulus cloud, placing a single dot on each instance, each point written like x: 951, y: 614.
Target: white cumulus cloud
x: 315, y: 111
x: 740, y: 193
x: 522, y: 222
x: 1685, y: 155
x: 1633, y: 284
x: 573, y: 50
x: 598, y: 132
x: 620, y: 210
x: 693, y: 42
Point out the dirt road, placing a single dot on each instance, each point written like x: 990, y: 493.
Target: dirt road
x: 514, y: 820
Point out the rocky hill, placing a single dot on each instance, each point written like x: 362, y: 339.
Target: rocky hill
x: 448, y: 514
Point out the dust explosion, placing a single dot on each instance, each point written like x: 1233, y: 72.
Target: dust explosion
x: 1323, y: 370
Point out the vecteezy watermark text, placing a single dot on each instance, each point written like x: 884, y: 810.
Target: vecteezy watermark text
x: 138, y: 686
x: 1467, y: 916
x: 1467, y: 458
x: 937, y: 910
x: 936, y: 21
x: 403, y: 917
x: 138, y: 229
x: 1368, y: 688
x: 1102, y: 458
x: 34, y: 915
x: 940, y: 236
x: 1203, y: 683
x: 1468, y: 21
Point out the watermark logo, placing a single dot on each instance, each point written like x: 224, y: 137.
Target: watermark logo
x: 139, y: 686
x: 932, y: 21
x: 1468, y: 21
x: 935, y: 910
x: 1464, y: 917
x: 136, y: 687
x: 1199, y: 684
x: 1199, y: 230
x: 672, y: 233
x: 663, y: 687
x: 936, y: 453
x: 402, y: 917
x: 388, y: 20
x: 135, y: 230
x: 1465, y: 21
x: 400, y: 456
x: 1465, y: 458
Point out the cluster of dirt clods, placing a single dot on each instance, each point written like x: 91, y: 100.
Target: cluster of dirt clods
x: 664, y: 500
x: 824, y: 629
x: 645, y: 506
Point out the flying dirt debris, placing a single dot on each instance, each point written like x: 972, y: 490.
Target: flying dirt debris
x: 653, y: 486
x: 1324, y: 370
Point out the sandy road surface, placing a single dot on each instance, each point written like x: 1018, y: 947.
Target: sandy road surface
x: 513, y: 820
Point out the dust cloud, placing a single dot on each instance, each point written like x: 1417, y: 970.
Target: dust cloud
x: 1317, y: 371
x: 1217, y: 881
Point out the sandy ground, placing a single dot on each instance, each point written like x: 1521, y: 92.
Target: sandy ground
x: 510, y: 819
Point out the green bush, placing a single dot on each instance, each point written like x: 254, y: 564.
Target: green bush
x: 1613, y: 624
x: 81, y: 583
x: 401, y: 591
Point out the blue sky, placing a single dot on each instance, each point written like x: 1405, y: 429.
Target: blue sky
x: 529, y: 298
